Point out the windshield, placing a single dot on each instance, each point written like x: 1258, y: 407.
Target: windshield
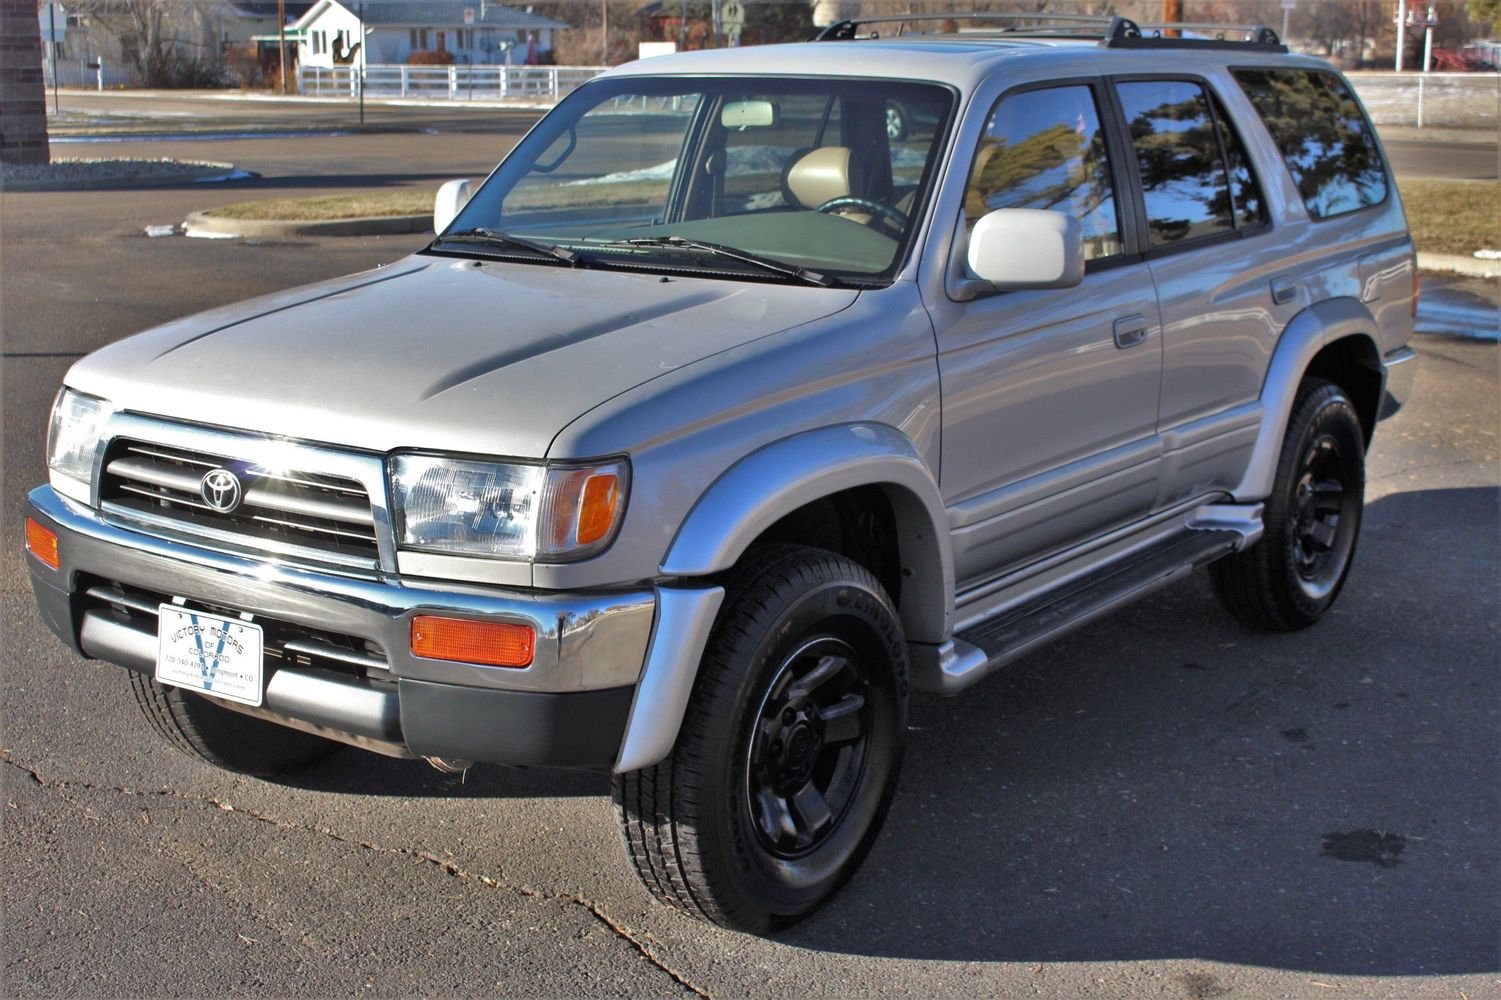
x: 819, y: 177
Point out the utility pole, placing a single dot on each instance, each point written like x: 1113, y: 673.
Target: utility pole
x: 361, y: 66
x: 281, y: 40
x: 604, y: 32
x: 1172, y: 13
x: 1401, y: 31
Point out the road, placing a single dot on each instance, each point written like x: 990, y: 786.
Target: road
x: 1163, y: 804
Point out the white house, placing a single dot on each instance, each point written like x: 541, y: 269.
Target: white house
x: 474, y: 32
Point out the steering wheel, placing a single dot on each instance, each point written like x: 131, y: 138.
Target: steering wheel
x: 892, y: 215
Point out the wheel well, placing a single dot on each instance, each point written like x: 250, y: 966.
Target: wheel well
x: 858, y: 523
x: 1353, y: 364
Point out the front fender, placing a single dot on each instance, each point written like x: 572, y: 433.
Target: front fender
x: 1310, y: 331
x: 766, y: 485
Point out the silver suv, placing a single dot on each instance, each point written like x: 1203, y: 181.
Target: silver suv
x: 724, y: 414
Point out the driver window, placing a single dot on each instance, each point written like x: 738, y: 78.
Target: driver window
x: 1046, y: 149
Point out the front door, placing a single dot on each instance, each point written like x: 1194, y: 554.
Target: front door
x: 1049, y: 396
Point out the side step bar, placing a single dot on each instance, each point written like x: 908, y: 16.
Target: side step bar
x: 1016, y: 631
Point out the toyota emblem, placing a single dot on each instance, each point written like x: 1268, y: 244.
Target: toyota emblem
x: 221, y: 490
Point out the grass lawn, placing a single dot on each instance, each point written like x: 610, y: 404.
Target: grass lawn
x: 1446, y: 216
x: 1453, y: 216
x: 334, y: 206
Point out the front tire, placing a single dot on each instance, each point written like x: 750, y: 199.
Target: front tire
x: 1290, y: 578
x: 223, y: 737
x: 789, y: 750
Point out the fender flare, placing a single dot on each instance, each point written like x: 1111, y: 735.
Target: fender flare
x: 761, y: 488
x: 1302, y: 339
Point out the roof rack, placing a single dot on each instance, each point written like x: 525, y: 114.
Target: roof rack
x: 1112, y: 31
x: 1126, y: 34
x: 1069, y: 25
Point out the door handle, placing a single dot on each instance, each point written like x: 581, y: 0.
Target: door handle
x: 1284, y: 290
x: 1130, y: 331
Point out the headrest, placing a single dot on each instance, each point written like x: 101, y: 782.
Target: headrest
x: 818, y: 175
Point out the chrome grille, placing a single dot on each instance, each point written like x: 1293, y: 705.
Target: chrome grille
x: 327, y: 518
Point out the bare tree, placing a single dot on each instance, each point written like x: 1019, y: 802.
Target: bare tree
x: 23, y: 95
x: 169, y: 42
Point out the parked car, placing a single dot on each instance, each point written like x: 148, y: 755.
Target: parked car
x: 719, y: 419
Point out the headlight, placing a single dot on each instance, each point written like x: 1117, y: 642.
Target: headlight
x: 73, y: 435
x: 509, y: 511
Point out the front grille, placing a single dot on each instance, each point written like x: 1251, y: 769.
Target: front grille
x: 280, y: 510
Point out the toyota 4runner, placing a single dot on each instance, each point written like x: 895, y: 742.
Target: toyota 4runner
x: 752, y: 390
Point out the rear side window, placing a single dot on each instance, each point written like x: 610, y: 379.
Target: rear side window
x: 1184, y: 182
x: 1322, y: 135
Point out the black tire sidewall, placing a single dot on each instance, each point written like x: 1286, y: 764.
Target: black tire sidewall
x: 1324, y: 409
x: 856, y: 611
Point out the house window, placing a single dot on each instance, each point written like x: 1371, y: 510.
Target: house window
x: 442, y: 41
x: 419, y: 39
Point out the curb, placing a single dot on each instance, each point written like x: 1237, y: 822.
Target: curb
x: 209, y: 172
x: 373, y: 225
x: 1454, y: 263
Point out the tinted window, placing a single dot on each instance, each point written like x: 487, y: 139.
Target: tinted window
x: 1249, y: 210
x: 1183, y: 178
x: 1045, y: 149
x: 1323, y: 137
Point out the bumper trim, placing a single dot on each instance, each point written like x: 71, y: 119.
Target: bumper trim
x: 585, y: 640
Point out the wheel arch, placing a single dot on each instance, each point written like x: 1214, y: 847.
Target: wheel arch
x: 838, y: 465
x: 1332, y: 340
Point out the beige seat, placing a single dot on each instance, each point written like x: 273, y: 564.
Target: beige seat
x: 818, y: 175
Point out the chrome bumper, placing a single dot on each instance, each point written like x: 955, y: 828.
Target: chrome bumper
x: 578, y: 692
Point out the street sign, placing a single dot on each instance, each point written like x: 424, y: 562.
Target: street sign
x: 1289, y: 4
x: 53, y: 20
x: 468, y: 15
x: 732, y: 16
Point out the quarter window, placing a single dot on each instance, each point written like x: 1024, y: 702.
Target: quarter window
x: 1322, y: 135
x: 1045, y: 149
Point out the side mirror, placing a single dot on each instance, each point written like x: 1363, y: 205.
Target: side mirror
x: 452, y: 196
x: 1014, y: 248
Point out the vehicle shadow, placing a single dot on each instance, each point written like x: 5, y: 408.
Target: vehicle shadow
x: 1167, y: 783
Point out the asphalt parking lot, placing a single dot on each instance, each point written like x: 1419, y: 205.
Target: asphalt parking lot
x: 1164, y: 804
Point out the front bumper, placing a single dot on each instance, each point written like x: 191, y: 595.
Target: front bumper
x: 342, y: 664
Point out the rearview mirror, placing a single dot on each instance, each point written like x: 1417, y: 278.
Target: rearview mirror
x: 1014, y: 248
x: 748, y: 114
x: 452, y: 196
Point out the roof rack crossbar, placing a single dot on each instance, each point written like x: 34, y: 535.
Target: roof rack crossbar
x: 1113, y: 31
x: 1130, y: 35
x: 847, y: 30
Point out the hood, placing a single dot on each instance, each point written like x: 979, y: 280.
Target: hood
x: 438, y: 353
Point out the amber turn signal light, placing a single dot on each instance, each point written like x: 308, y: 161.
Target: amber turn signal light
x: 597, y: 509
x: 42, y: 543
x: 495, y: 644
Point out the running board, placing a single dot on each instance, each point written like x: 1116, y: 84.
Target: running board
x: 1015, y: 631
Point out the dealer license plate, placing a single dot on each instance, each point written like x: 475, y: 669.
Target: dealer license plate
x: 202, y: 652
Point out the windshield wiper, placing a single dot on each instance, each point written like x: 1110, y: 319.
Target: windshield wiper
x: 730, y: 253
x: 479, y: 234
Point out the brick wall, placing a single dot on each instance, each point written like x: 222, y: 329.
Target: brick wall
x: 23, y: 96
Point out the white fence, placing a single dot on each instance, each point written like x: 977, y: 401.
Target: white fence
x: 454, y: 83
x: 1431, y: 100
x: 77, y: 73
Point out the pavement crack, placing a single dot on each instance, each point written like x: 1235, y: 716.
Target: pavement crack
x: 446, y: 864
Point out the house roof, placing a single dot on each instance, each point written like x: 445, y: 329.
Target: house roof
x: 265, y: 10
x: 436, y: 14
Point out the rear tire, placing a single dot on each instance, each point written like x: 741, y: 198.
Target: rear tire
x: 789, y: 750
x: 221, y: 736
x: 1290, y: 578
